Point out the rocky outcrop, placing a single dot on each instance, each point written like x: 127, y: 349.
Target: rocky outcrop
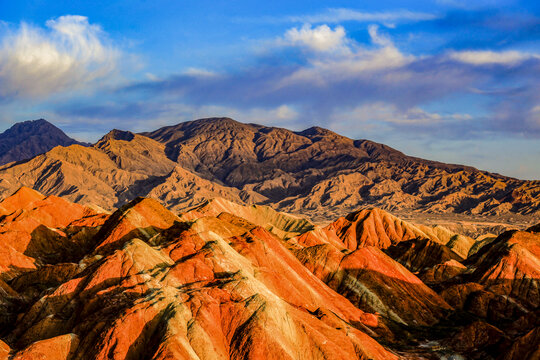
x: 526, y: 347
x: 376, y: 283
x: 32, y: 231
x: 347, y: 256
x: 181, y: 190
x: 281, y: 224
x: 373, y: 227
x: 510, y: 267
x: 442, y: 272
x: 422, y: 254
x: 476, y: 337
x: 61, y: 347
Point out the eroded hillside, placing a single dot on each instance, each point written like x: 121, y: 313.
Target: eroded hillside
x: 230, y: 281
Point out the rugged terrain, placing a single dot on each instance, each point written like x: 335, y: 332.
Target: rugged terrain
x: 314, y: 173
x: 214, y: 239
x: 229, y: 281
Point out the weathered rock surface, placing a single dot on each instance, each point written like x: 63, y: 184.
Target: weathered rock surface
x: 422, y: 254
x: 230, y: 281
x: 510, y: 267
x: 442, y: 272
x: 476, y: 336
x: 156, y: 287
x: 61, y: 347
x: 526, y: 347
x: 347, y: 256
x: 31, y: 231
x: 281, y: 224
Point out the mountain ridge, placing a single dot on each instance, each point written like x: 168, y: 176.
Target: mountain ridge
x: 314, y: 172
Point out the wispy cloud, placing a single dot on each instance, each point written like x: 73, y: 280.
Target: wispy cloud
x: 389, y: 113
x: 68, y: 54
x: 338, y: 15
x: 486, y: 57
x: 383, y: 117
x: 464, y: 4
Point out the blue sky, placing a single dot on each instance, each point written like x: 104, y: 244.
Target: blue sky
x: 450, y: 80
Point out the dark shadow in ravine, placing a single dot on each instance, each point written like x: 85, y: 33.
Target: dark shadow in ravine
x: 48, y: 246
x: 147, y: 343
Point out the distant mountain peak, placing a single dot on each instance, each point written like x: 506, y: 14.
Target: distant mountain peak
x: 316, y: 130
x: 220, y: 123
x: 29, y: 125
x: 116, y: 134
x: 27, y: 139
x: 217, y: 120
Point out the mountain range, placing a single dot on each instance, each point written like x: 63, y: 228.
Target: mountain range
x: 230, y: 281
x: 315, y: 173
x: 214, y: 239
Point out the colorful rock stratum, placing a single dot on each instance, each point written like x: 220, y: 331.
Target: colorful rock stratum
x: 230, y: 281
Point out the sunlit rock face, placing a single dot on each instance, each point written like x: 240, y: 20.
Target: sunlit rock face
x: 225, y: 280
x: 154, y: 286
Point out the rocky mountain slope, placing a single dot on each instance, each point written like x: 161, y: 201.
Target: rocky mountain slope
x: 316, y: 169
x: 230, y: 281
x: 315, y: 173
x: 30, y: 138
x: 118, y: 168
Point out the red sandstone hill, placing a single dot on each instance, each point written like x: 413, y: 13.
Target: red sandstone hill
x: 231, y: 281
x: 315, y: 173
x: 152, y: 286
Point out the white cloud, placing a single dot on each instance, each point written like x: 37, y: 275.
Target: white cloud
x: 487, y: 57
x: 68, y: 54
x: 320, y: 38
x: 285, y: 112
x: 377, y: 38
x: 198, y: 72
x: 351, y: 59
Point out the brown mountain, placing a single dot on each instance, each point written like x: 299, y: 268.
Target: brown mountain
x: 118, y: 168
x: 30, y: 138
x: 229, y: 281
x: 316, y: 169
x: 316, y: 173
